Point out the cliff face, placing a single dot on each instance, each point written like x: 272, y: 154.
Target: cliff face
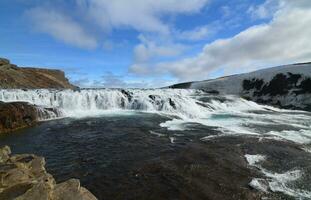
x: 12, y: 76
x: 284, y: 86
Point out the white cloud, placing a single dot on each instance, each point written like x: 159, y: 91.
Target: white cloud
x: 149, y: 51
x: 61, y: 27
x: 198, y: 33
x: 102, y: 16
x: 265, y: 10
x: 285, y: 39
x: 141, y: 15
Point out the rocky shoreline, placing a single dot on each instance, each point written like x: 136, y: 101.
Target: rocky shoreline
x: 24, y: 177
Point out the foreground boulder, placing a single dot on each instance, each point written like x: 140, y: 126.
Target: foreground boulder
x: 18, y: 115
x: 23, y: 177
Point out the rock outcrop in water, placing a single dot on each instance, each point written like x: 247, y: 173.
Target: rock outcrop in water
x: 12, y: 76
x: 285, y: 86
x: 23, y: 177
x: 18, y: 115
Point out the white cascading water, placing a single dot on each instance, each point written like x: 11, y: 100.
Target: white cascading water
x: 45, y: 114
x: 171, y: 101
x: 75, y: 103
x: 231, y: 115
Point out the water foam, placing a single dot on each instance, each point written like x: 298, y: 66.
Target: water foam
x: 229, y: 115
x: 254, y: 160
x: 276, y: 182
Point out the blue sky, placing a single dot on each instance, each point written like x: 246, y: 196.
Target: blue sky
x: 146, y: 43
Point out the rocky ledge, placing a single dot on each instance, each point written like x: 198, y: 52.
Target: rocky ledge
x: 24, y: 177
x: 12, y: 76
x: 18, y: 115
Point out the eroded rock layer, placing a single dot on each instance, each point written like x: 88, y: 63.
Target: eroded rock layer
x: 24, y: 177
x: 12, y: 76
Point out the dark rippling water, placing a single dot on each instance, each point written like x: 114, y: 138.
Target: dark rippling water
x: 99, y: 151
x: 185, y: 145
x: 106, y: 152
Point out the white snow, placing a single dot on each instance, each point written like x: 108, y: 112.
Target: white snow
x: 233, y: 84
x: 276, y: 182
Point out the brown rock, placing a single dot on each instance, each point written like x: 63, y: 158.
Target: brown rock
x: 12, y: 76
x: 4, y: 61
x: 18, y: 115
x: 71, y: 190
x: 23, y: 177
x: 4, y: 154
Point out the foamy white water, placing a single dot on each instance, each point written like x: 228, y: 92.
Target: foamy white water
x: 276, y: 182
x: 229, y: 115
x: 185, y: 109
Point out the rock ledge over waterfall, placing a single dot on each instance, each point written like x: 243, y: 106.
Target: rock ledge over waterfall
x: 23, y: 177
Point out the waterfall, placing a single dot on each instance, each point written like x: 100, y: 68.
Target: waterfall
x: 182, y: 103
x: 48, y: 113
x: 228, y: 114
x: 179, y: 102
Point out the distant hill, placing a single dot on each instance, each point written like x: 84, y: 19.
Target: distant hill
x: 12, y: 77
x: 287, y: 86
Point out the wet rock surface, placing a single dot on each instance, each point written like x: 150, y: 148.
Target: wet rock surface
x: 23, y: 177
x: 18, y: 115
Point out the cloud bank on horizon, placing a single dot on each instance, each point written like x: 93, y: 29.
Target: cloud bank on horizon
x: 167, y: 41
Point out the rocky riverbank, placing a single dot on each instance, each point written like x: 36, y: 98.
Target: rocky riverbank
x: 18, y: 115
x: 23, y: 177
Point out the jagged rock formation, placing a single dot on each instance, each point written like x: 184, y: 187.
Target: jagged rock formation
x: 12, y: 76
x: 18, y: 115
x: 284, y: 86
x: 24, y: 177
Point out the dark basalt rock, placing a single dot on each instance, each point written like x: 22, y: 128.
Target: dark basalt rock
x: 305, y: 86
x: 127, y: 94
x: 4, y: 61
x: 18, y: 115
x: 172, y: 103
x: 211, y: 92
x: 152, y: 97
x: 253, y: 84
x: 279, y: 85
x: 181, y: 85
